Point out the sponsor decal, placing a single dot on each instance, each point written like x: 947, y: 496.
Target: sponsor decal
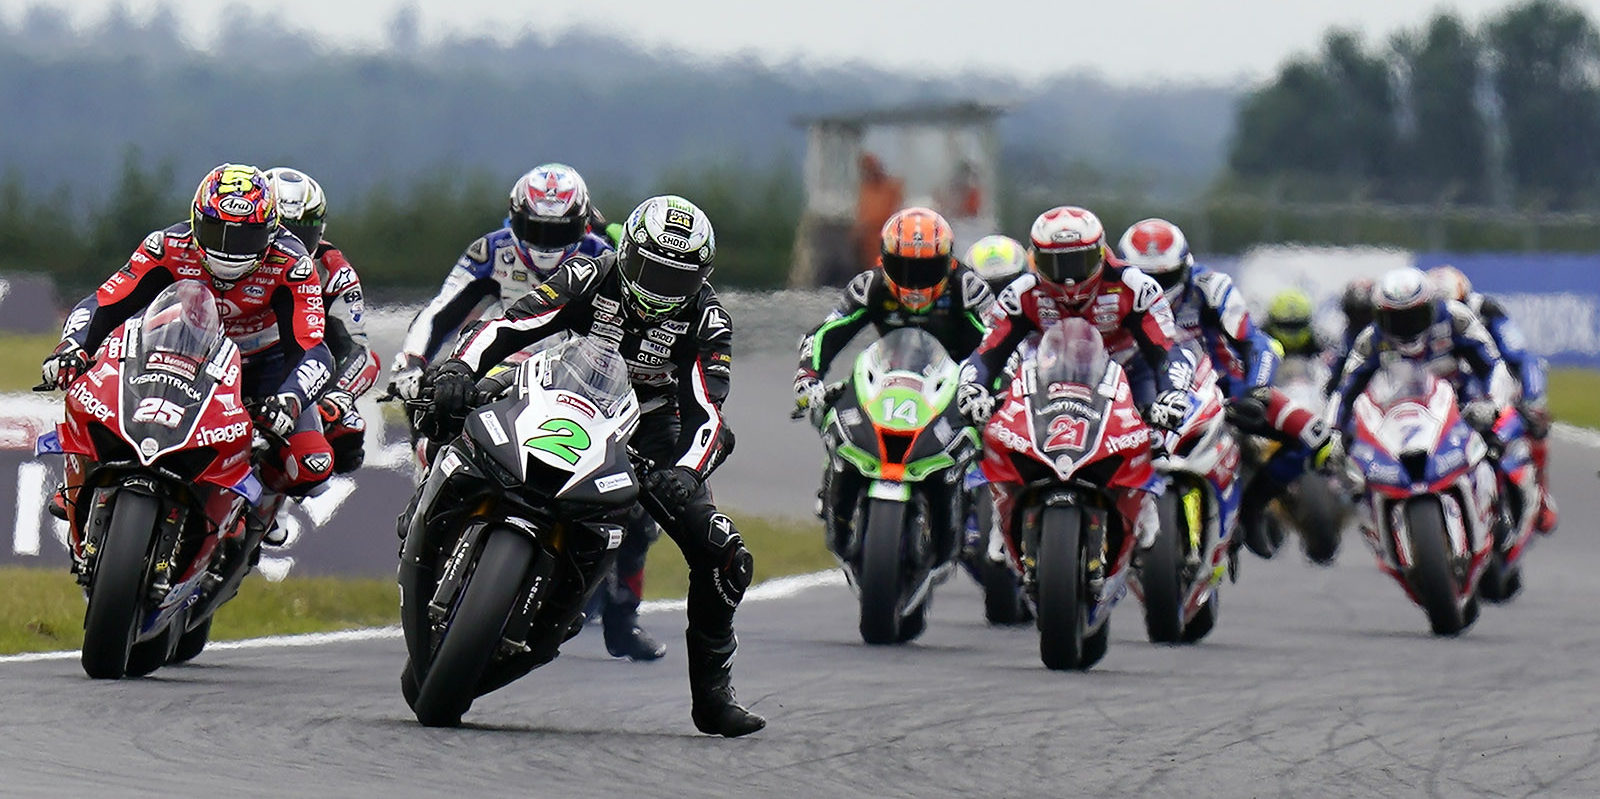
x: 715, y: 319
x: 236, y: 206
x: 681, y: 218
x: 1126, y: 441
x: 1010, y: 439
x: 302, y: 270
x: 255, y: 291
x: 520, y: 275
x: 649, y: 360
x: 721, y: 357
x: 478, y: 251
x: 491, y: 424
x: 547, y: 290
x: 606, y: 331
x: 577, y: 402
x: 506, y: 257
x: 311, y: 377
x: 173, y: 381
x: 222, y: 435
x: 657, y: 334
x: 654, y: 349
x: 91, y: 404
x: 307, y: 289
x: 673, y: 240
x: 155, y: 244
x: 671, y: 325
x: 613, y: 482
x: 850, y: 417
x: 99, y: 374
x: 230, y: 405
x: 176, y: 364
x: 611, y: 306
x: 1069, y: 390
x: 149, y: 447
x: 582, y: 270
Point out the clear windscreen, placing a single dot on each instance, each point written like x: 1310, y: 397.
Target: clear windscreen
x: 1072, y: 352
x: 180, y: 330
x: 1400, y: 381
x: 589, y: 368
x: 908, y: 350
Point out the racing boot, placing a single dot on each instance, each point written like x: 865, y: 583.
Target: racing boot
x: 58, y: 503
x: 620, y: 619
x: 1545, y: 522
x: 716, y: 710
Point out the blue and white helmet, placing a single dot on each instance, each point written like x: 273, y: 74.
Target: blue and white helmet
x: 665, y: 254
x: 1404, y: 307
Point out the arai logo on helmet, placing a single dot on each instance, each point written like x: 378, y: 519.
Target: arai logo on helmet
x: 236, y: 206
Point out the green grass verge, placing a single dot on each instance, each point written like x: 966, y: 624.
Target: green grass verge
x: 20, y: 357
x: 1575, y: 396
x: 42, y: 609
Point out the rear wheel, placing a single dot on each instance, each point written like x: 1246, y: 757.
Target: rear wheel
x: 882, y: 572
x: 1431, y: 577
x: 473, y: 636
x: 1320, y: 516
x: 1161, y: 572
x: 116, y: 596
x: 1063, y: 608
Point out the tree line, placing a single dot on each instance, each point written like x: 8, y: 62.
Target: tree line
x: 1505, y: 114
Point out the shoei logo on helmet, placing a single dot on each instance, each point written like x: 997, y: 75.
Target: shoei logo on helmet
x: 673, y: 240
x: 236, y: 206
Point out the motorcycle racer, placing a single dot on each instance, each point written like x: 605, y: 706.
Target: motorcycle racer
x: 271, y: 306
x: 1356, y: 304
x: 652, y: 299
x: 1210, y: 312
x: 303, y: 209
x: 1289, y: 323
x: 1527, y: 368
x: 1072, y: 274
x: 998, y: 260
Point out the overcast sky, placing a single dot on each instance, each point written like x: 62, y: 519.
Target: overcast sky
x: 1126, y: 40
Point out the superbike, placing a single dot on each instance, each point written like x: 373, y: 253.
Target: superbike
x: 515, y: 526
x: 1448, y: 506
x: 894, y: 498
x: 159, y: 482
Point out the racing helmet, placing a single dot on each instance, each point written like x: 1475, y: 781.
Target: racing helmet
x: 1404, y: 308
x: 917, y: 255
x: 1158, y: 248
x: 234, y: 218
x: 1356, y: 303
x: 1289, y: 319
x: 1450, y: 282
x: 302, y: 207
x: 998, y: 260
x: 549, y: 214
x: 665, y: 255
x: 1067, y: 250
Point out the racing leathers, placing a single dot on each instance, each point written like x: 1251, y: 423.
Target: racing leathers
x: 492, y: 274
x: 1211, y: 313
x: 680, y: 368
x: 275, y: 314
x: 1135, y: 321
x: 355, y: 365
x: 1529, y: 372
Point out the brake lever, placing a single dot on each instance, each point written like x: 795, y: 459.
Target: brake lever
x: 44, y: 387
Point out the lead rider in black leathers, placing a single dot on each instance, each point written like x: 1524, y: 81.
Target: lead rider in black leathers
x: 652, y: 300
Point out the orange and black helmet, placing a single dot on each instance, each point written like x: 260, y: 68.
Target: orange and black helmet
x: 917, y: 256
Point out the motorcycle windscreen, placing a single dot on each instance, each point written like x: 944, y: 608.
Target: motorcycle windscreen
x: 586, y: 367
x: 1068, y: 408
x: 905, y: 379
x: 165, y: 382
x: 1412, y: 407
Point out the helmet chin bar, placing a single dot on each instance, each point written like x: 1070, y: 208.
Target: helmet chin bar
x: 230, y: 268
x: 546, y: 261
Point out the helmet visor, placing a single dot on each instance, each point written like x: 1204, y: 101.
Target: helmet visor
x: 656, y: 279
x: 916, y: 273
x: 231, y: 240
x: 1063, y: 266
x: 1405, y: 324
x: 1170, y: 278
x: 309, y: 235
x: 548, y: 232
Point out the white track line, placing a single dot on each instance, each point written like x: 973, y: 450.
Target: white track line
x: 1573, y: 434
x: 779, y: 588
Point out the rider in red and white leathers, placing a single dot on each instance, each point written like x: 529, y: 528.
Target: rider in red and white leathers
x: 303, y: 209
x: 1072, y: 274
x: 271, y: 306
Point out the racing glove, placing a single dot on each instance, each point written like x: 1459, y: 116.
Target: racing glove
x: 1169, y: 410
x: 1249, y: 412
x: 335, y: 406
x: 453, y: 387
x: 278, y: 413
x: 405, y: 378
x: 65, y: 365
x: 674, y: 487
x: 808, y: 393
x: 1536, y: 417
x: 974, y: 402
x: 1481, y: 414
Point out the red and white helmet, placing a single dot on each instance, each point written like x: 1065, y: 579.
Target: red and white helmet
x: 1067, y: 250
x: 1450, y: 282
x: 1158, y: 248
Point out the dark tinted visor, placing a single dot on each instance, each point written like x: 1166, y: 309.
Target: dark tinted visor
x: 657, y: 278
x: 548, y: 232
x: 1169, y: 279
x: 916, y: 273
x: 1069, y: 265
x: 309, y: 235
x: 231, y: 238
x: 1405, y: 324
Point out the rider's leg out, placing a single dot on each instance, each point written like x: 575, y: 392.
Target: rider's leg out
x: 1305, y: 443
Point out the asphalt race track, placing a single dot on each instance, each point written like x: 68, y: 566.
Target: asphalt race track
x: 1317, y: 682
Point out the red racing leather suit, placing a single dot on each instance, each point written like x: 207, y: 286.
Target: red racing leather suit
x: 275, y: 314
x: 355, y: 366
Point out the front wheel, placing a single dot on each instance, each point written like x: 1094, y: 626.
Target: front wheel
x: 882, y: 572
x: 1063, y: 585
x: 473, y: 637
x: 1319, y: 514
x: 1431, y: 576
x: 120, y: 580
x: 1161, y: 573
x: 192, y: 643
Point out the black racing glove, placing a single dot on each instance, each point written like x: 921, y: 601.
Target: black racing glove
x: 454, y: 392
x: 1249, y: 412
x: 674, y: 487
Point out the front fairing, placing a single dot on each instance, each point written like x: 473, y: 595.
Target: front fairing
x: 897, y: 421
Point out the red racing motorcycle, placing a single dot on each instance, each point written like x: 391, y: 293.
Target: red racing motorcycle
x: 158, y: 444
x: 1070, y: 438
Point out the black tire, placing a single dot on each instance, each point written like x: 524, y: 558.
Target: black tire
x: 1161, y: 572
x: 881, y: 578
x: 1204, y: 620
x: 915, y: 622
x: 1431, y: 577
x: 1063, y: 609
x: 192, y: 643
x: 487, y: 598
x: 408, y: 685
x: 121, y: 577
x: 1499, y: 583
x: 147, y: 656
x: 1003, y: 604
x: 1319, y: 515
